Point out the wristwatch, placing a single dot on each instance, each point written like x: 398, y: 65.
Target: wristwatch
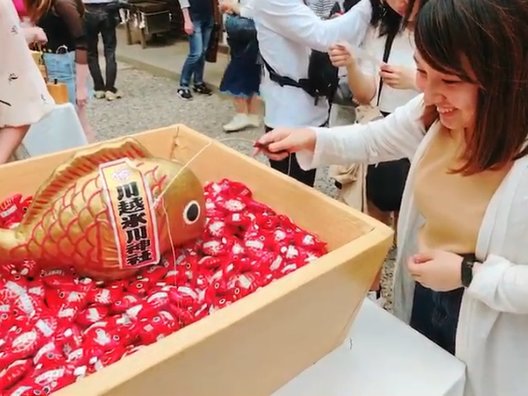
x: 467, y: 270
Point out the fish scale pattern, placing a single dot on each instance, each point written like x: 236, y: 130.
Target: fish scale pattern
x: 85, y: 200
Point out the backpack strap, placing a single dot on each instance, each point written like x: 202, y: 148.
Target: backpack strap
x: 283, y: 81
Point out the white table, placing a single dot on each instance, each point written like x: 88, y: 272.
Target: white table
x: 59, y: 130
x: 381, y: 357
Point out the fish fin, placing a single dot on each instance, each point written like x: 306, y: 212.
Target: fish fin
x: 81, y: 164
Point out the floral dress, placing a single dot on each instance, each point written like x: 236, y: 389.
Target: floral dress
x: 24, y: 98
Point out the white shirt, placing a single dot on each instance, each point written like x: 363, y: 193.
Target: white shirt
x: 493, y: 324
x: 287, y: 30
x: 401, y: 54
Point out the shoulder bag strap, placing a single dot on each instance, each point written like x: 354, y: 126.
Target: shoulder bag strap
x: 386, y: 54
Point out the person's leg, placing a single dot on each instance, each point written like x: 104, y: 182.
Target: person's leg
x: 253, y: 105
x: 10, y: 139
x: 199, y: 85
x: 240, y: 120
x: 92, y: 24
x: 108, y: 33
x: 189, y: 67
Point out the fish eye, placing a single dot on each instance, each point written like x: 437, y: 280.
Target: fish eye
x: 61, y: 294
x: 115, y: 337
x: 191, y: 212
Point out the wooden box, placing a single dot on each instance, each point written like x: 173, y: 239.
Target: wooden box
x: 259, y: 343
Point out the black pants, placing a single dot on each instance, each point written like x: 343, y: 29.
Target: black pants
x: 435, y: 315
x: 102, y: 19
x: 290, y: 167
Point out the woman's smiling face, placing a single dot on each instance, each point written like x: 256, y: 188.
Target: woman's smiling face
x: 455, y: 99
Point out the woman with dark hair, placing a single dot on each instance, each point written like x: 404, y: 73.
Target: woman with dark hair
x: 462, y: 268
x: 66, y: 55
x: 382, y: 76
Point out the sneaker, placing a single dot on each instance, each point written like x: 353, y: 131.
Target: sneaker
x: 110, y: 96
x: 99, y: 94
x: 202, y: 89
x: 240, y: 121
x: 254, y: 120
x: 184, y: 93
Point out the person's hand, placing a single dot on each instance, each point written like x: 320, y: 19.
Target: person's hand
x: 398, y: 77
x: 279, y: 143
x: 35, y: 35
x: 227, y: 7
x: 437, y: 270
x: 188, y: 27
x: 82, y: 95
x: 39, y: 35
x: 341, y: 55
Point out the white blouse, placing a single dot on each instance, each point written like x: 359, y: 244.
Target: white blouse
x: 401, y: 54
x: 24, y: 98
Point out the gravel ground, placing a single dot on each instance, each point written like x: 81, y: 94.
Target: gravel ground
x: 150, y: 102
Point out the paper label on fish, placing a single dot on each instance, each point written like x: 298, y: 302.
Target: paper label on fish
x: 131, y: 211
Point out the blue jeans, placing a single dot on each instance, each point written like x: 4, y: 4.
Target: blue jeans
x: 198, y: 42
x: 435, y: 315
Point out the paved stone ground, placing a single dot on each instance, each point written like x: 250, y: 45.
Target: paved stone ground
x: 150, y: 102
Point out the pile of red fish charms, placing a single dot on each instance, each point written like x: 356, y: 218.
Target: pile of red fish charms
x: 56, y: 327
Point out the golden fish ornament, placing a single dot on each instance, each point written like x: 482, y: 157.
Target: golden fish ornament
x: 108, y: 211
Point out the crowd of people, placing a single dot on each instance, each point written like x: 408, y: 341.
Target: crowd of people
x: 422, y: 119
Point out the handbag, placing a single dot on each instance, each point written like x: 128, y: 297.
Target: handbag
x: 57, y: 90
x: 239, y: 28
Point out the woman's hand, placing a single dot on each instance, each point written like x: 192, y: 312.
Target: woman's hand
x: 437, y: 270
x: 81, y: 91
x: 341, y: 55
x: 188, y: 27
x: 398, y: 77
x: 279, y: 143
x: 34, y: 35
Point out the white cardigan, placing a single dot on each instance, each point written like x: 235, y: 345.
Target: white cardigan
x: 492, y: 334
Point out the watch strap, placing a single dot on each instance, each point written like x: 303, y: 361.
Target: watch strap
x: 467, y: 270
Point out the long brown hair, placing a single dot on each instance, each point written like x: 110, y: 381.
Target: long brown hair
x: 37, y: 8
x: 491, y: 37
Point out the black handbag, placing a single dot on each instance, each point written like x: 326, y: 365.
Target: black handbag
x: 386, y: 180
x: 240, y: 28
